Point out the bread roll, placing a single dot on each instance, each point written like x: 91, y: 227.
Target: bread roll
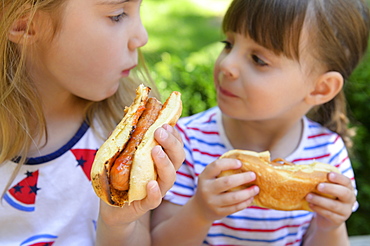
x: 282, y: 186
x: 142, y: 168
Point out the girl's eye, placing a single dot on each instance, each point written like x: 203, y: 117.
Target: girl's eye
x: 258, y: 61
x: 228, y: 45
x: 118, y: 18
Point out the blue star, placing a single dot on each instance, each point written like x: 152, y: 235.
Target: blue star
x: 29, y: 174
x: 34, y: 189
x: 81, y: 161
x: 18, y: 188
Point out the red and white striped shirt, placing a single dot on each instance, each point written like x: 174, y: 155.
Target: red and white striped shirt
x: 205, y: 140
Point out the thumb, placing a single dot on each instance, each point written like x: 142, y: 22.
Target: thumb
x: 154, y: 196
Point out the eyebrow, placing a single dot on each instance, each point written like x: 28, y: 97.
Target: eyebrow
x: 112, y: 2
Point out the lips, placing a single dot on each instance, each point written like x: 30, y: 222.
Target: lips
x: 225, y: 92
x: 126, y: 73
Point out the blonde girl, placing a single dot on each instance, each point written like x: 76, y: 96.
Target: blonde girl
x: 68, y: 69
x: 279, y: 83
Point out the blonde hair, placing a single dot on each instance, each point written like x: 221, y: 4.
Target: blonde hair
x: 21, y: 115
x: 339, y: 38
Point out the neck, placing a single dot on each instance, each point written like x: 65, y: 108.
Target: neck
x: 279, y: 137
x: 64, y: 115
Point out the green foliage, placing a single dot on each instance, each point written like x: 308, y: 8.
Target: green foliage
x: 192, y: 76
x: 183, y: 46
x: 358, y: 96
x: 179, y: 27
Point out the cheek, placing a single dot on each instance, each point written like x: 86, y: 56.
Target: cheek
x: 86, y: 46
x: 92, y: 59
x: 217, y: 70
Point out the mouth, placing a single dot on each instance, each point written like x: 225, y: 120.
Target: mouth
x: 225, y: 92
x: 126, y: 72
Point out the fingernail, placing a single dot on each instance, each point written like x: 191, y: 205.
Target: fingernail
x: 252, y: 175
x: 332, y: 176
x: 167, y: 127
x: 159, y: 151
x: 320, y: 187
x: 153, y: 186
x: 309, y: 197
x: 256, y: 189
x: 163, y: 133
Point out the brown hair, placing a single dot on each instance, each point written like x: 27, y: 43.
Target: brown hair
x: 21, y: 115
x: 339, y: 35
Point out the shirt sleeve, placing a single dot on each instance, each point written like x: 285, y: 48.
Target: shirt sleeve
x: 185, y: 184
x: 341, y: 160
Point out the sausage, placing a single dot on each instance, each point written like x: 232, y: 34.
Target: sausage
x: 120, y: 172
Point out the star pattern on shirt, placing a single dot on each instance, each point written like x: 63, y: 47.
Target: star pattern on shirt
x: 81, y: 161
x: 34, y: 189
x: 18, y: 188
x: 29, y: 174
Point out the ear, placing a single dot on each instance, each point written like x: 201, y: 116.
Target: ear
x: 22, y: 31
x: 327, y: 86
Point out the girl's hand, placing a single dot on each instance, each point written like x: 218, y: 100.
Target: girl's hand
x: 333, y: 213
x: 168, y: 157
x: 128, y: 225
x: 116, y: 216
x: 167, y: 161
x: 211, y: 197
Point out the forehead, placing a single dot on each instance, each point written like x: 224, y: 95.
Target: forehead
x: 275, y: 25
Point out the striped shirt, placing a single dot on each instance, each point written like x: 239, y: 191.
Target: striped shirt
x: 205, y: 140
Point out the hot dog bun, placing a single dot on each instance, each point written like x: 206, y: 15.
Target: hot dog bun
x: 282, y: 186
x: 142, y: 168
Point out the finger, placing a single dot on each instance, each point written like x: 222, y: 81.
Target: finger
x: 227, y: 210
x: 329, y: 215
x: 329, y: 204
x: 153, y: 198
x: 165, y: 169
x: 342, y: 192
x: 172, y: 144
x: 173, y: 130
x: 228, y: 182
x: 237, y: 197
x: 338, y: 178
x: 215, y: 168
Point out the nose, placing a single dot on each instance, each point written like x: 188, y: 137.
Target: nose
x: 229, y: 66
x: 140, y: 38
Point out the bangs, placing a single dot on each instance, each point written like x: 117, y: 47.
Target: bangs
x: 274, y: 24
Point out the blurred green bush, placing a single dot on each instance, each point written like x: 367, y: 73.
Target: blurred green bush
x: 192, y: 76
x: 358, y: 96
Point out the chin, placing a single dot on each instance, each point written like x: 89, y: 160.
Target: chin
x: 226, y: 110
x: 231, y: 111
x: 113, y: 90
x: 102, y: 95
x: 225, y: 104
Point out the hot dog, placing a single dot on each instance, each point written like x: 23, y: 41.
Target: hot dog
x: 119, y: 174
x: 283, y: 185
x: 123, y: 164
